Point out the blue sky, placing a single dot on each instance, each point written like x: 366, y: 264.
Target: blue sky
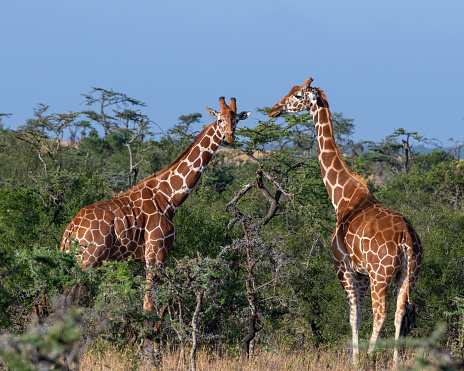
x: 384, y: 64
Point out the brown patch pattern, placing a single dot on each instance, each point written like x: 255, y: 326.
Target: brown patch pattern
x: 371, y: 243
x: 138, y: 225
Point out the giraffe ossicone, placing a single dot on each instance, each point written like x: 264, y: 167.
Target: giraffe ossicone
x: 138, y: 224
x: 371, y: 243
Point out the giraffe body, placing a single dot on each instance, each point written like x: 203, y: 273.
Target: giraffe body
x: 138, y: 224
x: 119, y: 229
x: 371, y: 243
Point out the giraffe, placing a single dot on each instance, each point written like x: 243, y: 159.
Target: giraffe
x: 371, y: 243
x: 138, y: 224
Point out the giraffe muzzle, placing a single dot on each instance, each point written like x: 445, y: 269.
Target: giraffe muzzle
x: 230, y: 137
x: 275, y: 111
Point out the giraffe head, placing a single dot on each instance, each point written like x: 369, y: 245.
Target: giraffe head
x: 228, y: 117
x: 300, y: 98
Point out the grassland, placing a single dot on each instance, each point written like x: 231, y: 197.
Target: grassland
x: 304, y: 359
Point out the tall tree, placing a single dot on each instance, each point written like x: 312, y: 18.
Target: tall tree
x: 407, y: 145
x: 105, y: 98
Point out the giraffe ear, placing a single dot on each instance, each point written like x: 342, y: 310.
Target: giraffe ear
x: 214, y: 114
x: 244, y: 115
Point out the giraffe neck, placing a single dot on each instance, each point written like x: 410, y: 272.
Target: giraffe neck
x: 345, y: 188
x: 178, y: 179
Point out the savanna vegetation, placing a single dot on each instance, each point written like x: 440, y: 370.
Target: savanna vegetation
x: 250, y: 277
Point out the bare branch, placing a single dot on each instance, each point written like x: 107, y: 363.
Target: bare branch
x: 267, y: 283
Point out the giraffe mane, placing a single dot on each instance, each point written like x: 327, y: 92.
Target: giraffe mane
x: 324, y: 103
x: 186, y: 150
x: 360, y: 178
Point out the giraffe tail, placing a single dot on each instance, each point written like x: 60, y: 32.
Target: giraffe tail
x: 410, y: 314
x: 408, y: 318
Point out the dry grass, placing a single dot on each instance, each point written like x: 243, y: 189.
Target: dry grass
x: 307, y: 359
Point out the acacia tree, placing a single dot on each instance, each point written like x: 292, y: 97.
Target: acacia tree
x: 301, y: 135
x: 255, y: 251
x: 186, y: 287
x: 260, y: 256
x: 407, y: 145
x: 105, y: 98
x: 285, y: 217
x: 129, y: 126
x: 44, y: 135
x: 135, y: 129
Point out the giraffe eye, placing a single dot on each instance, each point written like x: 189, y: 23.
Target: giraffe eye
x: 220, y: 120
x: 299, y: 96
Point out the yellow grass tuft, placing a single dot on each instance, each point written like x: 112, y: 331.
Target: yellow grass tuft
x: 111, y: 358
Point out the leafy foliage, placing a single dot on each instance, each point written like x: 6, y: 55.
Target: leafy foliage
x: 253, y: 237
x: 42, y: 348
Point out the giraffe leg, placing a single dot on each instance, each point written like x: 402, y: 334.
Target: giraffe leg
x: 379, y: 291
x: 361, y: 282
x: 355, y: 286
x: 149, y: 346
x: 401, y: 302
x: 155, y: 256
x: 150, y: 279
x: 403, y: 308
